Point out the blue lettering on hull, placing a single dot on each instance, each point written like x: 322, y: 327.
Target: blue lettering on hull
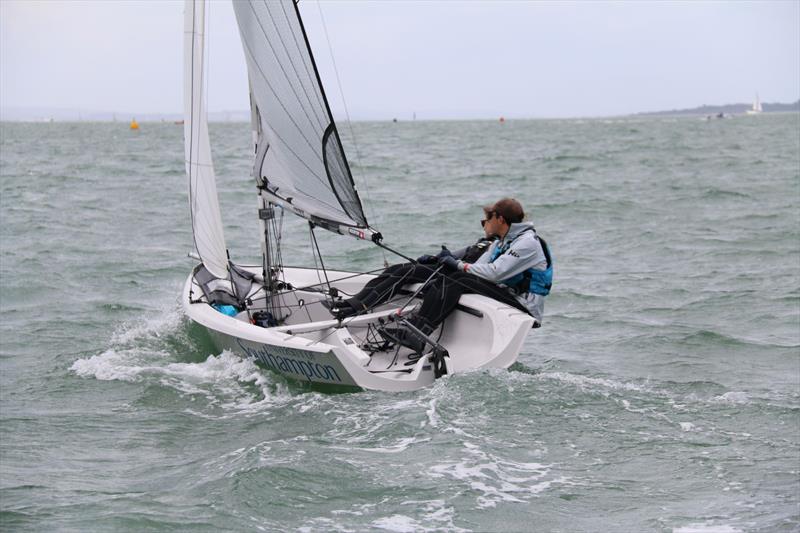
x: 273, y: 359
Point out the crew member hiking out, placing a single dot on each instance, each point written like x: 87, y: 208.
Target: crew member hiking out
x: 516, y: 270
x: 511, y: 264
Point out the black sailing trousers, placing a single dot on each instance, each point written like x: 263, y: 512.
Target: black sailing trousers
x: 444, y: 292
x: 441, y: 295
x: 389, y: 282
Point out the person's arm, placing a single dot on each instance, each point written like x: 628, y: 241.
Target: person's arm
x: 444, y: 252
x: 525, y: 252
x: 459, y: 254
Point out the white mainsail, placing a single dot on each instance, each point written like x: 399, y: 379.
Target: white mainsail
x: 299, y: 157
x: 209, y: 239
x: 757, y: 105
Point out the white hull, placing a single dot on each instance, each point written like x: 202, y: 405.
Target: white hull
x: 313, y: 347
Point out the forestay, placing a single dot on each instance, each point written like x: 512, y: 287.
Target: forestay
x: 298, y: 155
x: 209, y: 239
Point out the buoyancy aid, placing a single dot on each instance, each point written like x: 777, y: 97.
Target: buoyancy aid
x: 529, y: 280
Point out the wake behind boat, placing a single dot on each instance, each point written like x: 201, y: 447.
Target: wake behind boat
x: 279, y: 315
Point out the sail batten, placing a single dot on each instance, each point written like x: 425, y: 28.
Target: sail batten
x: 305, y: 164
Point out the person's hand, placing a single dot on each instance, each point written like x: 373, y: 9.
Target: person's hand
x: 444, y: 253
x: 449, y: 262
x: 426, y: 259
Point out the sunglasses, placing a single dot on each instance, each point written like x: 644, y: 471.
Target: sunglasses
x: 489, y: 216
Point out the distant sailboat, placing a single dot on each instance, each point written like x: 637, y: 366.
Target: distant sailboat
x: 134, y: 125
x: 756, y: 109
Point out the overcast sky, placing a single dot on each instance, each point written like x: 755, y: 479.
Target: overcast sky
x: 439, y: 59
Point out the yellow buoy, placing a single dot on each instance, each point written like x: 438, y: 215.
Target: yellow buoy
x: 134, y: 125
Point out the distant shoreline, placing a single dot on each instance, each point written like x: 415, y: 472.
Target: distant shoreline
x: 44, y: 116
x: 727, y: 109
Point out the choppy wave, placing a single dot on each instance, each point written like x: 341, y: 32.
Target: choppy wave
x: 665, y: 376
x: 495, y: 480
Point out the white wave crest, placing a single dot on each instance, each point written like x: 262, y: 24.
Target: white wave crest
x: 401, y: 446
x: 398, y: 523
x: 168, y: 320
x: 437, y: 516
x: 735, y: 397
x: 120, y: 365
x: 108, y: 366
x: 585, y: 382
x: 219, y: 379
x: 495, y: 479
x: 706, y: 528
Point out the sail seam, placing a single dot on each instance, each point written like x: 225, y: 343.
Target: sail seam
x: 263, y: 76
x: 349, y: 122
x: 278, y: 99
x: 296, y: 70
x: 362, y: 218
x: 285, y: 83
x: 280, y: 64
x: 300, y: 50
x: 316, y: 199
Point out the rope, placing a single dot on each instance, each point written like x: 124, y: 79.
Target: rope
x: 350, y: 125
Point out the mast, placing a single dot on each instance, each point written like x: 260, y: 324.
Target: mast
x: 264, y: 208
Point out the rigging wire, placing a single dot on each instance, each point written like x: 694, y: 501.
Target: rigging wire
x: 322, y: 264
x: 277, y: 230
x: 349, y: 124
x: 309, y: 287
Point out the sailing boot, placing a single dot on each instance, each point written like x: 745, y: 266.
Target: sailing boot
x: 339, y: 309
x: 342, y: 309
x: 405, y: 336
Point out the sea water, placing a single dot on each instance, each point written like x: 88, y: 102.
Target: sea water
x: 662, y: 393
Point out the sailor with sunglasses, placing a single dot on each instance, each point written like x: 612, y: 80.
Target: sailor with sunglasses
x: 516, y: 270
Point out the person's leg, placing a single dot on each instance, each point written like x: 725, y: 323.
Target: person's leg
x: 444, y: 294
x: 492, y: 290
x: 386, y: 285
x: 440, y: 300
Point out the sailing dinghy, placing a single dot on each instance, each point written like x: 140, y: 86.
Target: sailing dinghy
x: 756, y: 109
x: 275, y: 313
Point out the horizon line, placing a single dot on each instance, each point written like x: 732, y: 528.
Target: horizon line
x: 41, y: 114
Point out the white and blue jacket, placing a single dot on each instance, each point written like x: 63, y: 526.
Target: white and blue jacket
x: 517, y: 261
